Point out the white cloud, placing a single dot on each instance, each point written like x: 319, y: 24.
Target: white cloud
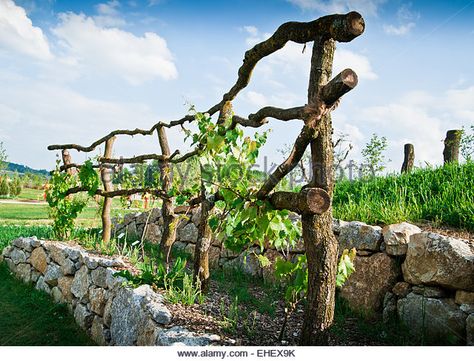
x: 109, y: 15
x: 365, y: 7
x: 400, y: 30
x: 111, y: 50
x: 18, y: 34
x: 419, y: 118
x: 359, y: 63
x: 406, y: 21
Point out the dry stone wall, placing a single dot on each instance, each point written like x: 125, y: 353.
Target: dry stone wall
x: 111, y: 313
x: 425, y: 280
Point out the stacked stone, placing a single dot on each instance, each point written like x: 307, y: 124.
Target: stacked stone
x: 110, y: 312
x: 398, y: 269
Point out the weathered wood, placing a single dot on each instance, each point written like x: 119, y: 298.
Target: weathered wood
x: 308, y: 201
x: 170, y: 220
x: 106, y: 174
x: 320, y: 244
x: 203, y: 244
x: 342, y: 28
x: 451, y: 146
x: 67, y: 162
x: 344, y: 82
x: 408, y: 159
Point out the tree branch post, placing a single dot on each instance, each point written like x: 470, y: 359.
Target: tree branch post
x: 106, y: 175
x: 170, y: 221
x: 451, y: 146
x: 408, y: 159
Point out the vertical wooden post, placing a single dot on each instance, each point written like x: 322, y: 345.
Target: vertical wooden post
x: 203, y: 244
x: 67, y: 160
x: 409, y: 158
x: 106, y: 174
x: 451, y: 146
x: 320, y: 243
x: 170, y: 221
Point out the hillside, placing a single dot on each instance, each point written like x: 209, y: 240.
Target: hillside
x: 14, y: 167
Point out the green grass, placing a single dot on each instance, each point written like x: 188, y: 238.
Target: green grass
x: 31, y: 194
x: 443, y: 195
x: 30, y: 318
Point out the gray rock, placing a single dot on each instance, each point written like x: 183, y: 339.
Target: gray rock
x: 467, y: 308
x: 98, y: 332
x: 17, y: 256
x: 11, y: 265
x: 131, y: 310
x: 57, y: 251
x: 113, y: 281
x: 153, y: 233
x: 65, y: 284
x: 389, y: 307
x: 23, y: 271
x: 148, y: 333
x: 179, y: 246
x: 188, y: 234
x: 470, y: 330
x: 155, y: 215
x: 433, y: 259
x: 179, y: 336
x: 430, y: 291
x: 397, y: 236
x: 83, y: 317
x: 196, y: 217
x: 57, y: 295
x: 107, y: 318
x: 23, y: 243
x: 6, y: 251
x: 374, y: 276
x: 97, y: 300
x: 129, y: 217
x: 132, y: 230
x: 99, y: 277
x: 401, y: 289
x: 159, y: 312
x: 39, y: 260
x: 126, y: 316
x: 360, y: 236
x: 68, y: 267
x: 42, y: 285
x: 440, y: 321
x: 53, y: 272
x: 80, y: 284
x: 337, y: 224
x: 464, y: 297
x: 73, y: 253
x: 34, y: 275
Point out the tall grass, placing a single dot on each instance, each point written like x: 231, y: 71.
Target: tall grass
x: 444, y: 195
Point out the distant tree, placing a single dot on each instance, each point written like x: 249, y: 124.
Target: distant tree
x: 4, y: 189
x: 15, y: 185
x: 374, y: 158
x: 467, y: 144
x: 3, y: 158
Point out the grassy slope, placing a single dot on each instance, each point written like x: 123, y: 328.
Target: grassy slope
x: 30, y: 318
x: 444, y: 195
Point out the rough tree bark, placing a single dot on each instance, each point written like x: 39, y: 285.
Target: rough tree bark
x: 451, y: 146
x: 203, y: 244
x: 67, y: 162
x: 170, y: 220
x: 106, y: 174
x: 409, y: 158
x: 320, y: 244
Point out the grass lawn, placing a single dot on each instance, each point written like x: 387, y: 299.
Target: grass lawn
x: 34, y: 214
x: 30, y: 318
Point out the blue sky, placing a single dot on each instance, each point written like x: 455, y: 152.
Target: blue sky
x: 73, y: 70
